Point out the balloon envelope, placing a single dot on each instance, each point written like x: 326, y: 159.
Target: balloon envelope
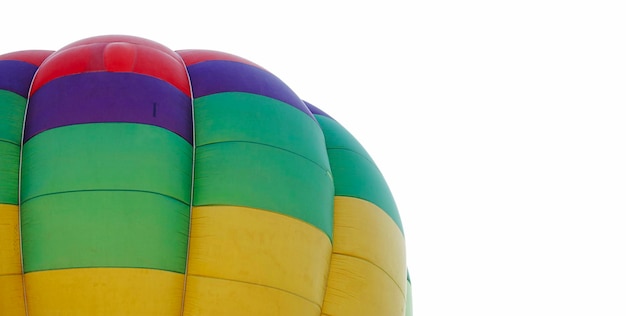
x: 135, y: 180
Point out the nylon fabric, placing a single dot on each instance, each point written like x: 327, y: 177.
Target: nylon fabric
x: 105, y: 229
x: 337, y: 137
x: 106, y: 180
x: 98, y: 97
x: 194, y: 56
x: 10, y: 260
x: 358, y: 287
x: 135, y: 199
x: 259, y: 176
x: 34, y: 57
x: 354, y: 172
x: 91, y: 58
x: 239, y: 116
x: 12, y: 113
x: 11, y: 286
x: 358, y: 177
x: 16, y: 72
x: 277, y: 258
x: 216, y: 76
x: 107, y: 156
x: 12, y: 295
x: 104, y: 292
x: 237, y: 298
x: 15, y: 76
x: 363, y: 230
x: 105, y: 39
x: 9, y: 172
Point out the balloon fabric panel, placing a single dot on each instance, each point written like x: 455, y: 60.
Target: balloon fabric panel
x: 279, y: 260
x: 104, y: 292
x: 106, y: 180
x: 368, y: 258
x: 113, y: 57
x: 215, y: 76
x: 246, y: 117
x: 9, y: 169
x: 98, y: 97
x: 107, y: 156
x: 16, y: 73
x: 260, y: 152
x: 368, y: 261
x: 354, y: 171
x: 105, y: 229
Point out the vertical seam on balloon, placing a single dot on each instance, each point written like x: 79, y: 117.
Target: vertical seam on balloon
x: 330, y: 257
x: 193, y: 167
x: 330, y: 260
x: 19, y: 186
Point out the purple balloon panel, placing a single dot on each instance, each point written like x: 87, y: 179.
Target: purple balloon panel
x: 97, y: 97
x: 217, y: 76
x: 16, y: 76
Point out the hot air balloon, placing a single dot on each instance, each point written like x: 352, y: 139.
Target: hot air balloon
x: 136, y: 180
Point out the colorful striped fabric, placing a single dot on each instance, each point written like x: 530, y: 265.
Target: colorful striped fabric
x: 135, y: 180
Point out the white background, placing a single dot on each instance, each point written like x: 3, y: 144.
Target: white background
x: 500, y: 126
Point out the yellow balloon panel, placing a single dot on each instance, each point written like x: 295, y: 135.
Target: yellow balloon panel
x: 260, y: 248
x: 358, y: 287
x: 104, y: 292
x: 10, y: 259
x: 364, y: 230
x: 11, y: 279
x: 11, y: 295
x: 219, y: 297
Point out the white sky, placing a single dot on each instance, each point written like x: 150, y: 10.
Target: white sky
x: 500, y: 126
